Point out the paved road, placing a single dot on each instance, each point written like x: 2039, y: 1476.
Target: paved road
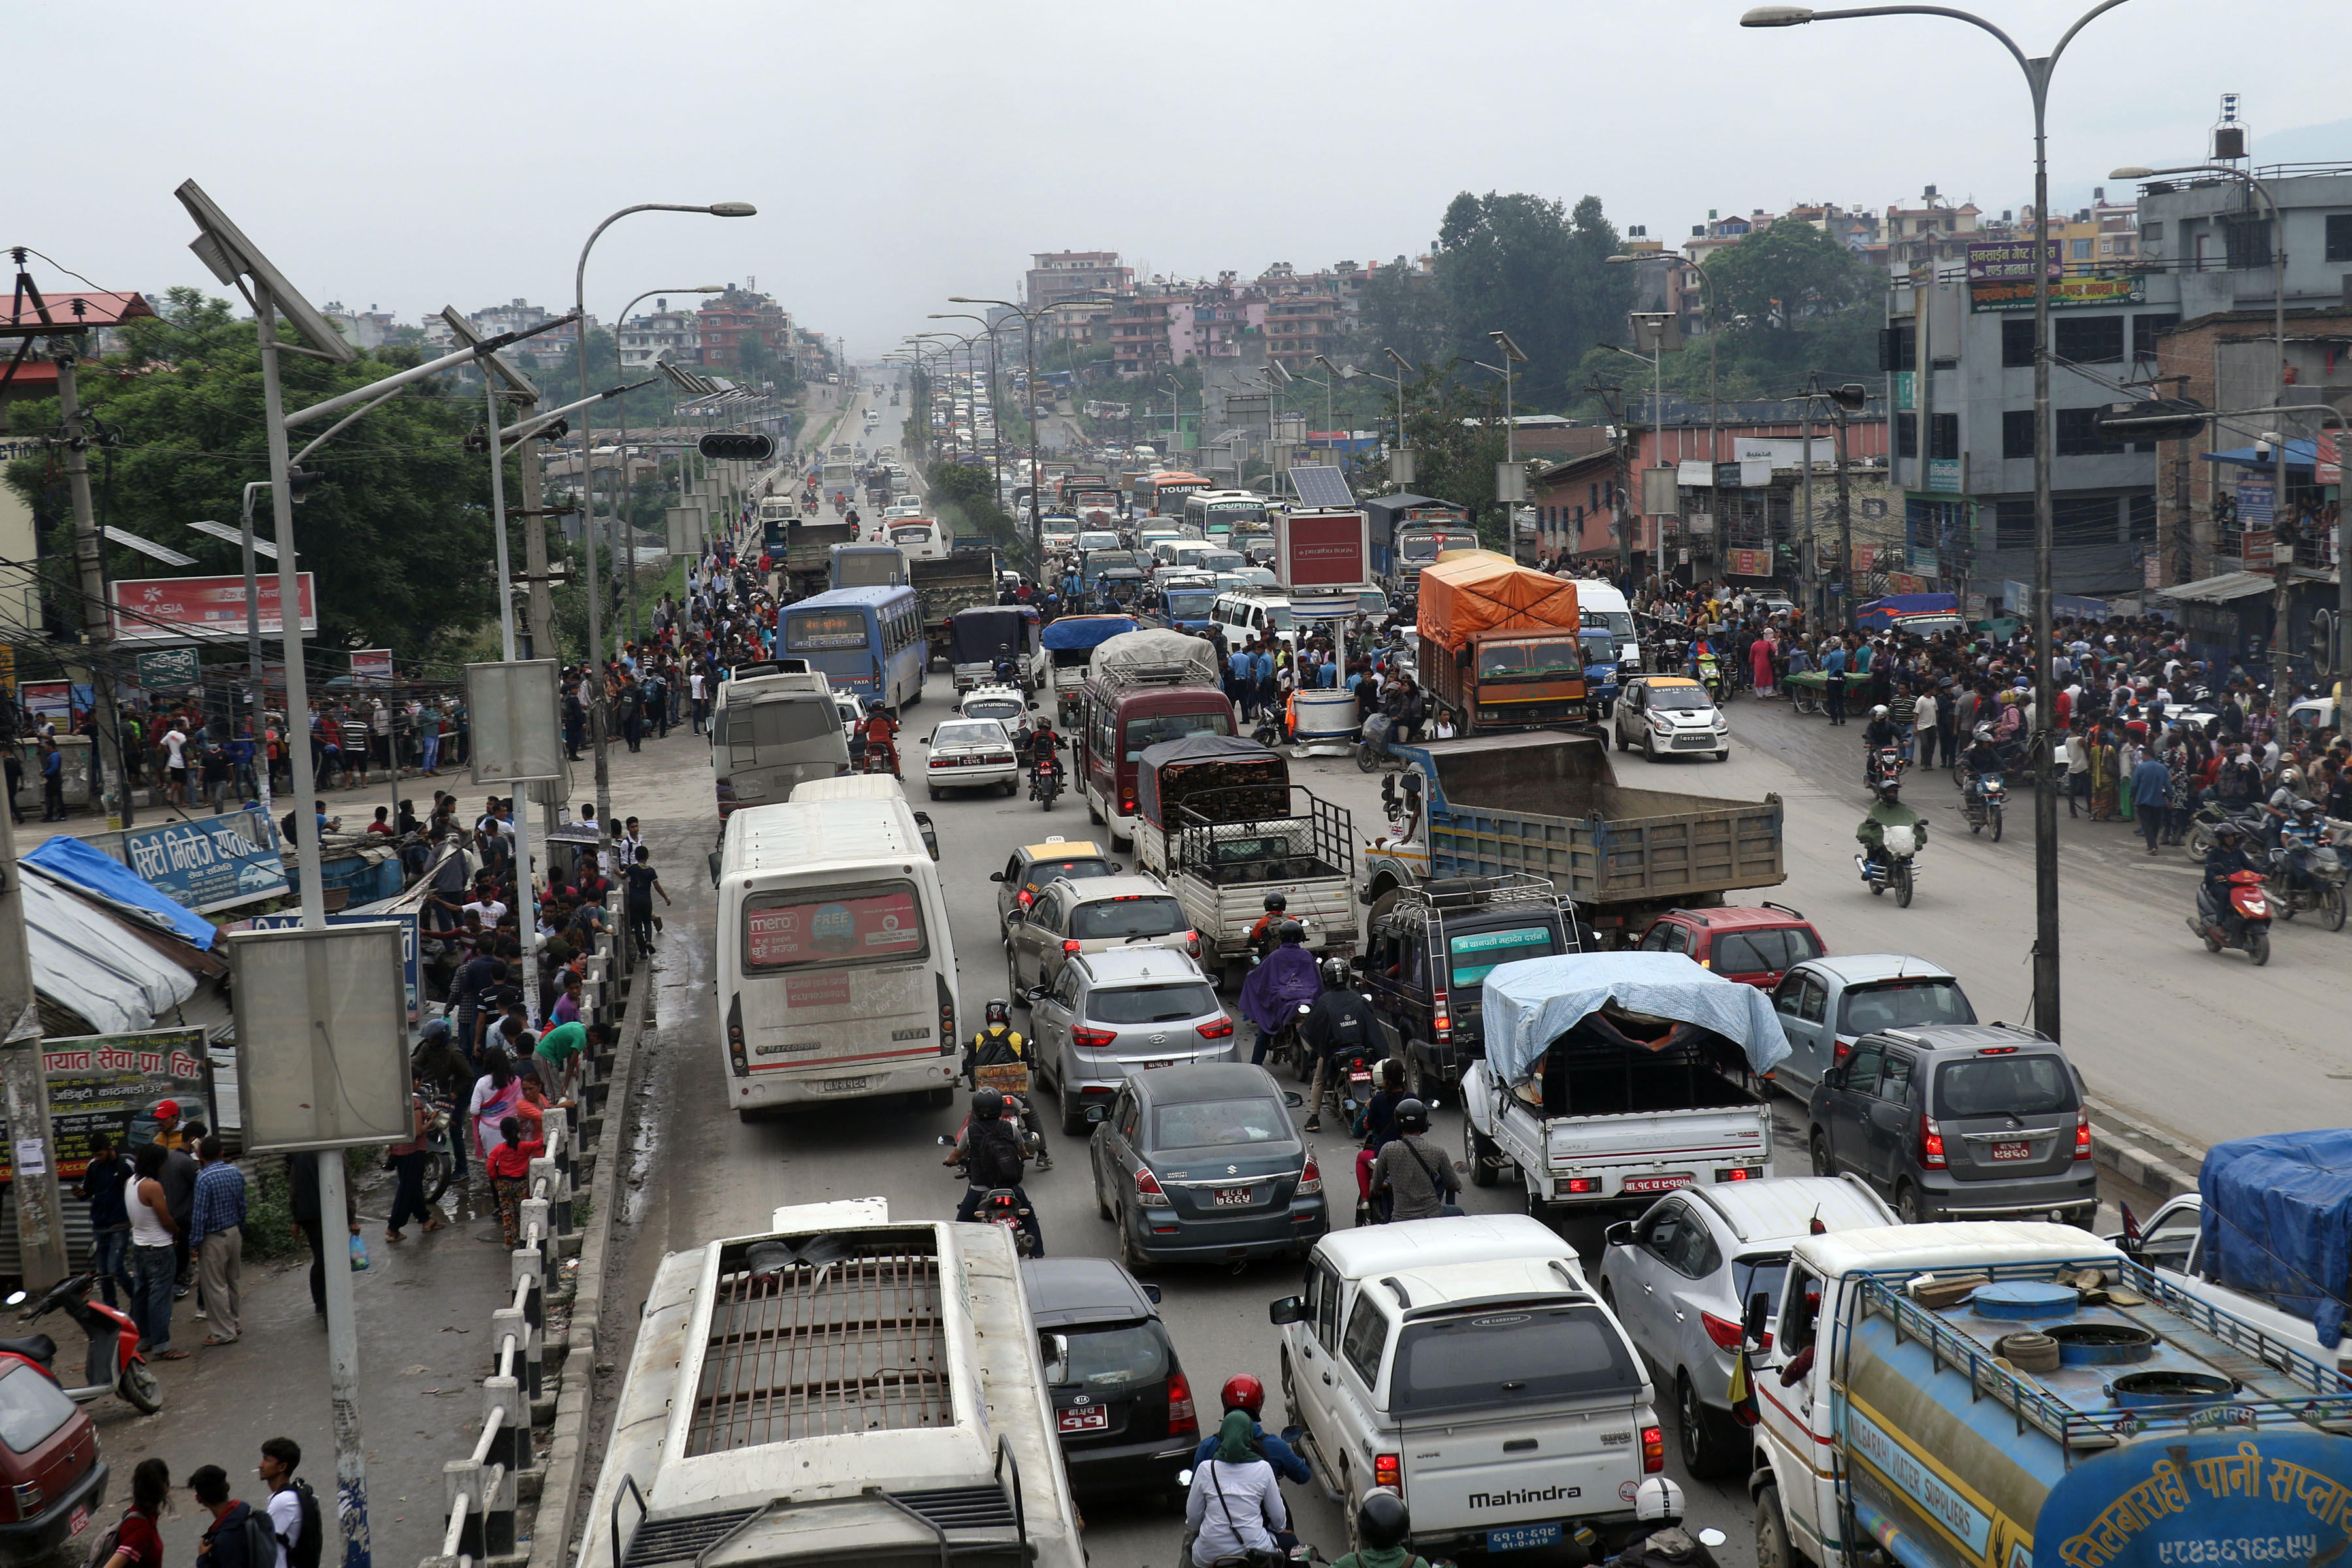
x: 2152, y: 1019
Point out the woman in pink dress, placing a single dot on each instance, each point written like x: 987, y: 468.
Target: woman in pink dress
x: 1760, y: 655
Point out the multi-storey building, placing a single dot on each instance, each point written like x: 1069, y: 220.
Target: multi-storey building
x: 1060, y: 274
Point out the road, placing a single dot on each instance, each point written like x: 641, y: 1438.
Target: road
x: 2157, y: 1024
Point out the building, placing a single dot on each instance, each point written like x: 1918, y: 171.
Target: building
x: 1055, y: 275
x: 725, y: 322
x: 364, y: 330
x: 659, y: 334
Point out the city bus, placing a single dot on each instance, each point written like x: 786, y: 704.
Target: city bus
x: 840, y: 479
x: 866, y: 641
x: 1220, y: 515
x: 1163, y: 494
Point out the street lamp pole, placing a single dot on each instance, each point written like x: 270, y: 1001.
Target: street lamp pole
x: 996, y: 436
x: 1029, y: 408
x: 2045, y: 791
x: 623, y: 527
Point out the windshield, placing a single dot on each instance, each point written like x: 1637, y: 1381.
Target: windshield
x: 994, y: 708
x: 1680, y: 697
x: 1424, y: 548
x: 1191, y: 603
x: 1098, y: 541
x: 1279, y: 617
x: 811, y: 630
x: 1158, y: 727
x: 32, y: 1408
x: 1044, y: 871
x: 910, y: 536
x: 1619, y: 622
x: 1476, y: 952
x: 1904, y: 1004
x: 880, y: 569
x: 1552, y: 661
x: 1219, y: 1124
x: 1509, y: 1356
x: 2036, y: 1085
x: 1750, y: 951
x: 1130, y: 915
x: 760, y: 731
x: 979, y: 732
x: 1154, y: 1003
x: 1220, y: 561
x: 1114, y: 1358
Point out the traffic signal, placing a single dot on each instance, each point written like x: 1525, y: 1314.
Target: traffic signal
x: 298, y: 484
x: 742, y: 449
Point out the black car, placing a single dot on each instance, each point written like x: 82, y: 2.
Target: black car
x: 1203, y: 1164
x: 1960, y: 1122
x: 1425, y: 965
x: 1122, y: 1408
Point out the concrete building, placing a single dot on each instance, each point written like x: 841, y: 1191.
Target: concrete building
x: 1057, y: 275
x: 659, y: 334
x: 368, y: 329
x: 726, y: 322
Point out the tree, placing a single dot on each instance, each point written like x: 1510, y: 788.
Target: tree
x: 1404, y: 310
x: 1456, y: 436
x: 1786, y: 274
x: 1531, y: 268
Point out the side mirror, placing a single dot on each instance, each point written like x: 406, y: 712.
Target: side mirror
x: 1037, y: 993
x: 1289, y: 1309
x: 1056, y: 1348
x: 1096, y: 1113
x: 1618, y: 1234
x: 1760, y: 1311
x: 996, y: 875
x: 714, y: 867
x: 17, y: 1298
x: 1833, y: 1078
x: 1151, y: 1294
x: 1185, y: 1478
x: 1115, y: 868
x: 1292, y: 1099
x: 945, y: 1141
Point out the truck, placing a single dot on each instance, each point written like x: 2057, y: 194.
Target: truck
x: 975, y: 634
x: 1983, y: 1394
x: 1069, y: 645
x: 1549, y: 803
x: 1318, y: 550
x: 735, y: 1421
x: 1498, y: 644
x: 943, y: 586
x: 1409, y: 532
x: 1142, y: 687
x: 867, y: 566
x: 1218, y: 820
x: 1609, y: 1077
x: 806, y: 559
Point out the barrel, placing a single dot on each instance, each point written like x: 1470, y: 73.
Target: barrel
x: 1325, y: 716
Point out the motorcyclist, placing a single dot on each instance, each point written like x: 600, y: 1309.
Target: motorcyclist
x: 1982, y: 757
x: 1279, y: 986
x: 1337, y: 1020
x: 1382, y: 1521
x: 1045, y: 753
x: 1878, y: 732
x: 998, y: 1043
x: 1886, y: 811
x: 1006, y: 672
x: 881, y: 730
x: 1659, y: 1538
x: 1242, y: 1392
x: 2228, y: 855
x: 993, y: 1158
x: 1262, y: 935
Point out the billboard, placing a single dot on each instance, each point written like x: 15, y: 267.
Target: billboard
x: 1322, y: 549
x: 103, y: 1083
x: 371, y: 664
x: 205, y: 863
x: 1748, y: 563
x: 408, y: 956
x: 2065, y: 293
x: 2009, y: 260
x: 173, y: 609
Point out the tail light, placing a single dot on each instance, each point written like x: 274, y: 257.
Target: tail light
x: 946, y: 1014
x: 1220, y: 1029
x: 1094, y: 1040
x: 29, y: 1497
x: 1580, y: 1184
x: 1838, y: 1056
x: 1027, y: 898
x: 1310, y: 1181
x: 1147, y: 1190
x: 1931, y: 1142
x: 1193, y: 942
x: 1722, y: 1331
x: 1181, y: 1420
x: 735, y: 1056
x: 1654, y: 1450
x: 1072, y: 944
x: 1443, y: 1022
x: 1388, y: 1470
x: 2082, y: 1133
x: 1127, y: 800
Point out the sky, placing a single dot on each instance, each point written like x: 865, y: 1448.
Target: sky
x: 411, y: 155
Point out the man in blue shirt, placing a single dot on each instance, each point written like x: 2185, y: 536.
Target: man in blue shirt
x: 1834, y: 681
x: 217, y: 1230
x: 1262, y: 668
x: 1241, y: 682
x: 53, y: 784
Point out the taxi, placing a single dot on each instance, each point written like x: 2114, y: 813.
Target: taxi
x: 1034, y: 865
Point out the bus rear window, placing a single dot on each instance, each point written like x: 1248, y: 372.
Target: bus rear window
x: 873, y: 924
x: 814, y: 629
x: 1473, y: 954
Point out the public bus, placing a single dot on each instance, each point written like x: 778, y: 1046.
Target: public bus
x: 1220, y: 515
x: 1163, y: 494
x: 771, y: 732
x: 866, y: 641
x: 840, y: 479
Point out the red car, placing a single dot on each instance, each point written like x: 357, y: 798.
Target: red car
x: 51, y: 1479
x: 1753, y: 946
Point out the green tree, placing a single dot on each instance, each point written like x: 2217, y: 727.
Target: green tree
x: 1405, y: 311
x: 1531, y: 267
x: 1789, y: 274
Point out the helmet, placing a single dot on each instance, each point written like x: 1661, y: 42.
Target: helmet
x: 1879, y: 711
x: 1412, y: 1116
x: 1381, y: 1520
x: 1275, y: 901
x: 2226, y: 830
x: 438, y: 1029
x: 987, y: 1106
x: 1293, y: 932
x: 873, y: 705
x: 1242, y: 1392
x: 2291, y: 778
x: 1335, y: 973
x: 999, y: 1010
x: 1889, y: 786
x: 1658, y: 1498
x: 1982, y: 732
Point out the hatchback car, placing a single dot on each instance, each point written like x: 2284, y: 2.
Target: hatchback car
x: 1111, y: 1015
x: 1091, y: 916
x: 1826, y: 1004
x: 1202, y: 1163
x: 1754, y: 946
x: 1665, y: 715
x: 48, y: 1460
x: 1974, y: 1121
x: 971, y: 753
x: 1122, y: 1405
x: 1681, y: 1279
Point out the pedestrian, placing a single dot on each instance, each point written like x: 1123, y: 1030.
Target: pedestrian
x: 495, y: 1094
x: 295, y: 1516
x: 238, y: 1537
x: 175, y: 764
x: 408, y: 1158
x: 137, y: 1541
x: 216, y: 1224
x: 2151, y: 786
x: 2078, y: 769
x: 53, y: 783
x: 103, y: 1180
x: 1834, y: 680
x: 154, y: 1260
x: 510, y: 1168
x: 179, y: 1179
x: 644, y: 882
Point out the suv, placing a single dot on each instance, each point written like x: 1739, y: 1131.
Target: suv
x: 1425, y: 965
x: 1122, y: 1407
x: 1825, y: 1005
x: 1127, y: 1010
x: 1970, y: 1121
x: 1753, y: 946
x: 1089, y: 916
x: 1034, y: 865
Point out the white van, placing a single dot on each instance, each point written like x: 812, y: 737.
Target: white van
x: 1248, y: 614
x: 1600, y: 604
x: 771, y: 732
x: 861, y: 786
x: 836, y: 968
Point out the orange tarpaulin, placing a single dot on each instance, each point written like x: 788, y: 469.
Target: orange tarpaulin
x: 1479, y: 591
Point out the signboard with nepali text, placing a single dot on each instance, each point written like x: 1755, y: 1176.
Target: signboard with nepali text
x: 2065, y: 293
x: 2001, y: 260
x: 159, y: 609
x: 105, y: 1083
x: 206, y: 863
x: 167, y: 668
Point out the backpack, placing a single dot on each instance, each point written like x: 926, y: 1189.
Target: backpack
x: 260, y: 1541
x: 994, y: 1158
x: 311, y: 1544
x: 102, y: 1550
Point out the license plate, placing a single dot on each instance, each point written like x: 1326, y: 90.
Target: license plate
x: 1166, y: 1062
x: 1654, y: 1185
x: 1232, y: 1198
x: 2013, y: 1151
x: 1517, y: 1536
x: 1094, y: 1420
x: 77, y: 1520
x: 843, y: 1086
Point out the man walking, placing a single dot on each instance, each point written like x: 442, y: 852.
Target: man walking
x: 238, y: 1537
x: 2151, y: 788
x: 643, y: 883
x: 216, y: 1226
x: 1834, y: 681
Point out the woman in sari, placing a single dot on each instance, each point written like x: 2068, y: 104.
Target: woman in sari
x: 497, y: 1093
x: 2103, y: 777
x: 1761, y: 654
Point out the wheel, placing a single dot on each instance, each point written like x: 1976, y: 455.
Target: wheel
x: 1012, y: 786
x: 1619, y: 731
x: 1129, y: 1253
x: 1073, y: 1109
x: 935, y: 794
x: 1479, y: 1152
x: 1048, y: 800
x: 1723, y: 756
x: 1012, y: 979
x: 1903, y: 884
x: 440, y: 1170
x: 1877, y: 890
x: 2211, y: 945
x: 1975, y: 825
x: 1102, y: 1203
x: 1823, y: 1164
x: 2258, y: 948
x: 1092, y: 815
x: 1291, y: 1413
x: 1365, y: 762
x: 1907, y: 1205
x: 2331, y: 908
x: 1649, y: 748
x: 2200, y: 841
x: 137, y: 1386
x: 1705, y: 1453
x: 1995, y: 825
x: 1772, y: 1533
x: 1412, y: 1075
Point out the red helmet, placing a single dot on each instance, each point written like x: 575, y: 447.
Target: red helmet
x: 1242, y: 1392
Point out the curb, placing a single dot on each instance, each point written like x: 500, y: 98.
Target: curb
x: 550, y: 1531
x: 2143, y: 1155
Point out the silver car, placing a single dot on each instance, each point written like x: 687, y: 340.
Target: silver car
x: 1092, y: 914
x: 1126, y: 1011
x: 1680, y: 1278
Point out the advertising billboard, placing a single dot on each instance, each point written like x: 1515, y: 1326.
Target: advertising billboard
x: 173, y: 609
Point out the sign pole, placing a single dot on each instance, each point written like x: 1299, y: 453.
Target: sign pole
x: 41, y: 1224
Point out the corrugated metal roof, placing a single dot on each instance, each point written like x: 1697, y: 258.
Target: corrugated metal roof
x: 2220, y: 590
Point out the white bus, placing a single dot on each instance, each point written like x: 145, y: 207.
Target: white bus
x: 771, y: 732
x: 837, y: 969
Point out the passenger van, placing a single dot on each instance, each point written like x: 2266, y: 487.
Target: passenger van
x: 856, y: 786
x: 867, y: 566
x: 1247, y: 616
x: 922, y: 539
x: 1600, y: 604
x: 837, y: 967
x: 771, y: 733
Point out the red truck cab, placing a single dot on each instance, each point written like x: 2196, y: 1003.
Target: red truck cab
x: 1753, y: 946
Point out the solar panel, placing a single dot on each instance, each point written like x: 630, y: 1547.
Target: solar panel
x: 1319, y: 484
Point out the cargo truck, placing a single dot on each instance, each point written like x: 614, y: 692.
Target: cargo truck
x: 806, y: 559
x: 960, y: 580
x: 2019, y: 1395
x: 1409, y: 532
x: 1069, y: 643
x: 1550, y: 805
x: 1498, y: 644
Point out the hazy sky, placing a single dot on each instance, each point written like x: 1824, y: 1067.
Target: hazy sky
x: 420, y: 154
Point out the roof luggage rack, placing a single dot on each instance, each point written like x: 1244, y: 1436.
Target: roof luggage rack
x: 1471, y: 892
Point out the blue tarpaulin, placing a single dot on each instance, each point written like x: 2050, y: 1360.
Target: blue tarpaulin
x: 2277, y: 1222
x: 1074, y: 632
x: 1533, y: 1002
x: 74, y: 861
x: 2300, y: 454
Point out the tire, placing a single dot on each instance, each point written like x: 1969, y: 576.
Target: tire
x: 1772, y: 1550
x: 1995, y: 825
x: 934, y: 793
x: 2259, y: 949
x: 1048, y: 800
x: 440, y: 1170
x: 1903, y: 884
x: 1907, y: 1205
x: 2331, y: 909
x: 1705, y: 1453
x: 2211, y: 945
x: 137, y: 1386
x: 1291, y: 1413
x: 1013, y: 787
x: 939, y: 1099
x: 1975, y: 827
x: 1823, y: 1164
x: 1092, y: 815
x: 1129, y: 1255
x: 1073, y: 1111
x: 1102, y: 1203
x: 1365, y: 762
x: 1480, y: 1152
x: 1877, y: 890
x: 1619, y: 731
x: 1723, y: 756
x: 1013, y: 980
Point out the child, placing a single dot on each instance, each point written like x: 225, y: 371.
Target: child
x: 510, y: 1167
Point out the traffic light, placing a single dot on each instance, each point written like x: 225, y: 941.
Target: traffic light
x: 740, y: 448
x: 298, y: 484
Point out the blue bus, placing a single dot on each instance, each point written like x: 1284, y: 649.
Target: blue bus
x: 867, y: 641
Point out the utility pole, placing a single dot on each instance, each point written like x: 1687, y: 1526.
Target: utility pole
x: 113, y: 784
x: 1612, y: 399
x: 41, y: 1224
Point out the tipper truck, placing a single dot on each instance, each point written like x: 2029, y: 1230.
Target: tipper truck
x: 1499, y: 643
x: 957, y: 580
x: 807, y: 556
x: 2019, y: 1395
x: 1550, y: 805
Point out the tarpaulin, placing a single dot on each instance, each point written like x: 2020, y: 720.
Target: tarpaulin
x: 1235, y: 760
x: 1479, y: 591
x: 85, y: 961
x: 1155, y: 653
x: 2277, y: 1223
x: 1074, y: 632
x: 1535, y: 1001
x: 74, y: 861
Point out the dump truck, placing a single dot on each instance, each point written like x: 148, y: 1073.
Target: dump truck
x: 1499, y: 643
x: 1550, y: 805
x: 807, y: 560
x: 957, y: 580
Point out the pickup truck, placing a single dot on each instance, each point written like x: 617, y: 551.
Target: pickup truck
x: 2011, y: 1393
x: 1550, y: 805
x: 958, y: 581
x: 1609, y: 1077
x: 1069, y: 645
x: 1466, y: 1363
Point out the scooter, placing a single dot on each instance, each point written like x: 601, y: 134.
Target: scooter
x: 1895, y: 866
x: 114, y: 1363
x: 2244, y: 923
x: 1301, y: 1555
x: 2306, y: 875
x: 1711, y: 676
x: 1372, y: 752
x: 1984, y: 803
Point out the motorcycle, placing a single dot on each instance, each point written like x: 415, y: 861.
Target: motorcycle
x: 1882, y: 762
x: 1002, y: 1206
x: 1372, y: 750
x: 2306, y: 875
x: 1045, y: 783
x: 1351, y: 1084
x: 1268, y: 732
x: 1896, y: 865
x: 1984, y: 800
x: 2209, y: 816
x: 1713, y: 676
x: 1302, y: 1555
x: 114, y: 1363
x: 2244, y: 923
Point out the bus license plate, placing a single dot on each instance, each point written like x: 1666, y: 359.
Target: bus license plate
x: 1657, y: 1183
x: 2013, y: 1151
x: 843, y: 1086
x: 1522, y: 1535
x: 1232, y: 1198
x: 1094, y: 1420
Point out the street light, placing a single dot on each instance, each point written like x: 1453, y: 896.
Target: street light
x: 2045, y: 788
x: 622, y: 525
x: 1714, y: 408
x: 996, y: 436
x: 1029, y: 405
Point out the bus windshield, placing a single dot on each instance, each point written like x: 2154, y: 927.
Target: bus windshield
x: 816, y: 630
x: 1552, y: 659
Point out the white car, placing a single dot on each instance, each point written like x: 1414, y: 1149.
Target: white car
x: 1664, y: 714
x: 971, y: 753
x: 1002, y: 704
x: 852, y: 712
x: 907, y: 508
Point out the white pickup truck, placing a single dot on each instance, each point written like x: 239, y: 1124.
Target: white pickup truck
x: 1610, y: 1078
x: 1466, y: 1362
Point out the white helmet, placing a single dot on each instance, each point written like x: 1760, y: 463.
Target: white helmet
x: 1658, y: 1499
x: 1879, y: 711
